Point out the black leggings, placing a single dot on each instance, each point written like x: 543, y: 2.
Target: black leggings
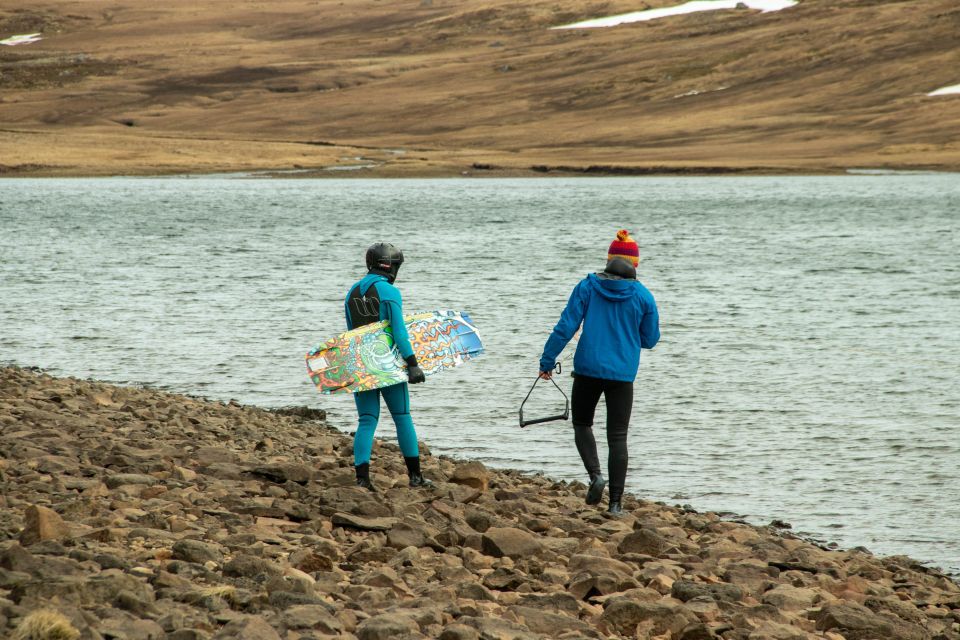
x: 619, y: 398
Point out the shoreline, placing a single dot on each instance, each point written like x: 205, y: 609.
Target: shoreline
x: 138, y: 512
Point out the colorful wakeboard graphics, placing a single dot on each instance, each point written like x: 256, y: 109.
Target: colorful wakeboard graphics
x: 367, y: 358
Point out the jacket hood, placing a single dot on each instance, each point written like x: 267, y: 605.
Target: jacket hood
x: 615, y: 290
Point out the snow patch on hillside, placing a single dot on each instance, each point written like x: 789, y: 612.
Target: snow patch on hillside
x: 13, y: 41
x: 690, y: 7
x: 946, y: 91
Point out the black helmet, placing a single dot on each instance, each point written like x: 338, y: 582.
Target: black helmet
x: 385, y: 259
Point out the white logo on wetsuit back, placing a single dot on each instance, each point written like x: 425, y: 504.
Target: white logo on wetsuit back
x: 366, y: 307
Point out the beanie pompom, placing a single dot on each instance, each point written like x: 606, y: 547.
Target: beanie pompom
x: 623, y: 234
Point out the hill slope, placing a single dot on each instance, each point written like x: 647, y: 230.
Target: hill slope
x: 434, y: 86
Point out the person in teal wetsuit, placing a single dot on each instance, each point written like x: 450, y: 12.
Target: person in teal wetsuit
x: 372, y: 299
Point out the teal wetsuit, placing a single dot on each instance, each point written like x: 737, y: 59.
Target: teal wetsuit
x: 371, y: 299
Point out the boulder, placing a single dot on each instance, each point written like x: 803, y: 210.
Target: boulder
x: 624, y: 614
x: 282, y: 472
x: 552, y: 624
x: 856, y: 622
x: 510, y: 542
x: 647, y: 542
x: 472, y: 474
x: 594, y: 575
x: 685, y: 590
x: 312, y: 616
x: 246, y: 566
x: 41, y: 523
x: 386, y: 627
x: 247, y: 628
x: 197, y: 551
x: 351, y: 521
x: 789, y: 598
x: 457, y: 631
x: 406, y: 534
x: 120, y: 479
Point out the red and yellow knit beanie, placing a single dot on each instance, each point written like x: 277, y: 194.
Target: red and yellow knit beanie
x: 624, y: 247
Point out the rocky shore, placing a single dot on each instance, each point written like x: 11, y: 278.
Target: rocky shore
x: 134, y: 514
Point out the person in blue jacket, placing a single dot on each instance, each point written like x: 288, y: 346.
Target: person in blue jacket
x: 619, y: 318
x: 372, y: 299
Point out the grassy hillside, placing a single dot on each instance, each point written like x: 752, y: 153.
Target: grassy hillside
x: 420, y: 87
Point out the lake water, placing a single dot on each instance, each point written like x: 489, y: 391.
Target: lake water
x: 811, y: 325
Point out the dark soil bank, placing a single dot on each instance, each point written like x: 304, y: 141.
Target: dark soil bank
x: 134, y: 514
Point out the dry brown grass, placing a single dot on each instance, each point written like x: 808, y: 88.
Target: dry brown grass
x: 45, y: 625
x: 181, y: 86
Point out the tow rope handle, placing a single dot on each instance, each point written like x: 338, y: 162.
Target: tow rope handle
x: 566, y: 402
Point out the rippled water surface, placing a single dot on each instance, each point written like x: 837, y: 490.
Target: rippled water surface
x: 811, y: 326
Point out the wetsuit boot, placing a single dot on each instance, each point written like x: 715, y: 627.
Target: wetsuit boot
x: 413, y: 470
x: 363, y: 477
x: 614, y: 508
x: 595, y: 490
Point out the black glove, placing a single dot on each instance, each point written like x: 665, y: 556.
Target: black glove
x: 414, y: 372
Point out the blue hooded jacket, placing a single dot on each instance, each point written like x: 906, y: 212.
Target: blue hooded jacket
x: 390, y: 308
x: 619, y: 318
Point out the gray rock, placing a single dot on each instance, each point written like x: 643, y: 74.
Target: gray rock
x: 499, y: 629
x: 120, y: 479
x: 405, y: 534
x: 311, y: 616
x: 282, y: 472
x: 16, y: 558
x: 197, y: 551
x: 475, y: 591
x: 288, y: 599
x: 685, y: 590
x: 253, y: 567
x: 386, y: 627
x: 132, y: 629
x: 480, y: 521
x: 247, y: 628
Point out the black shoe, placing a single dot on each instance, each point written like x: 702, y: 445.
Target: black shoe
x: 363, y: 477
x: 615, y: 509
x: 413, y: 471
x: 595, y: 491
x: 418, y: 480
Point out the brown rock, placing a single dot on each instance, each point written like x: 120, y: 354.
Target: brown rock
x: 512, y: 543
x: 789, y: 598
x: 248, y: 628
x: 41, y: 523
x: 457, y: 631
x: 768, y: 630
x: 624, y: 614
x: 472, y: 474
x: 312, y: 616
x: 856, y: 622
x: 552, y: 624
x: 351, y: 521
x: 647, y: 542
x: 405, y: 534
x: 386, y: 627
